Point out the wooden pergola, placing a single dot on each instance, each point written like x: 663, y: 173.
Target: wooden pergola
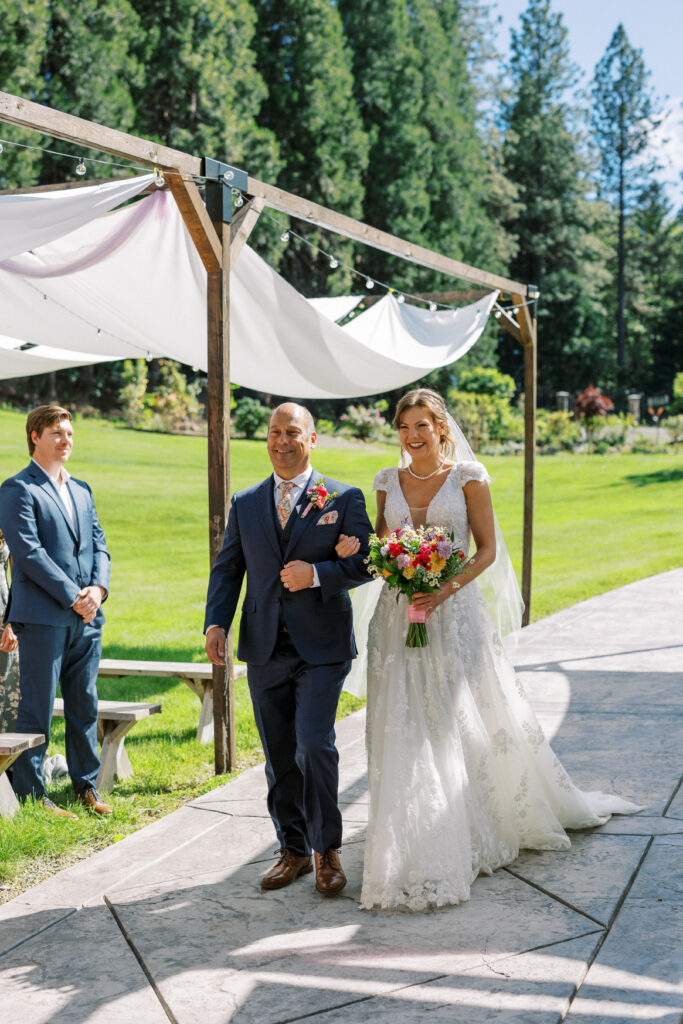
x: 219, y: 237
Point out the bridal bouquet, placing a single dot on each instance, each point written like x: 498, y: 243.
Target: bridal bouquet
x: 416, y: 562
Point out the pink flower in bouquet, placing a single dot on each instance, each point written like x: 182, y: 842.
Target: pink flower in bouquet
x: 402, y: 561
x: 444, y: 549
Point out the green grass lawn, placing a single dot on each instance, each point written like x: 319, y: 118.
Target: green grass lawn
x: 601, y: 521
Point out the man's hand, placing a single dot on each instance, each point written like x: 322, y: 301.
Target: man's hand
x: 215, y: 645
x: 88, y: 602
x: 8, y: 641
x: 297, y: 576
x: 347, y: 546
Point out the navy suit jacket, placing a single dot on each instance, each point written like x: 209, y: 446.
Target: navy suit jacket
x: 318, y: 619
x: 52, y: 559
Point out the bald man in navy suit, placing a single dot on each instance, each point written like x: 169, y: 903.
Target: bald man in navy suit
x: 296, y: 635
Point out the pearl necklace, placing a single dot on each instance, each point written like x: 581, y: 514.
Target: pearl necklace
x: 410, y: 470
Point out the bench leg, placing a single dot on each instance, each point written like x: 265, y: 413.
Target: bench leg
x: 114, y: 761
x: 205, y: 693
x: 8, y: 801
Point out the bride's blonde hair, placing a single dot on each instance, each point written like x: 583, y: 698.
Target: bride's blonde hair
x: 432, y: 401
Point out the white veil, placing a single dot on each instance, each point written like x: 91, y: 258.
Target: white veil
x: 498, y: 583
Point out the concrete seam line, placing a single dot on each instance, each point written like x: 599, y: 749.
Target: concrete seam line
x: 39, y: 932
x: 143, y: 966
x: 554, y: 896
x: 672, y: 797
x: 601, y: 941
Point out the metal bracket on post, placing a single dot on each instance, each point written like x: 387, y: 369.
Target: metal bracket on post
x: 221, y: 180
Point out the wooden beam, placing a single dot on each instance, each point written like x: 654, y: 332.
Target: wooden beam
x: 55, y: 123
x: 452, y: 297
x: 197, y: 221
x: 36, y: 117
x: 243, y: 223
x: 313, y: 213
x: 218, y: 417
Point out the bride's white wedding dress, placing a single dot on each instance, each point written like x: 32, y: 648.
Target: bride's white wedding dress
x: 460, y: 774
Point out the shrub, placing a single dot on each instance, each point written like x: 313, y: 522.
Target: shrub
x: 676, y: 405
x: 557, y: 430
x: 364, y: 421
x: 591, y: 404
x: 132, y: 395
x: 484, y: 380
x: 175, y: 404
x: 674, y: 426
x: 250, y: 415
x: 614, y: 429
x: 485, y: 418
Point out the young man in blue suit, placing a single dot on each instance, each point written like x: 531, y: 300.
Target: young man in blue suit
x: 296, y: 636
x: 60, y: 576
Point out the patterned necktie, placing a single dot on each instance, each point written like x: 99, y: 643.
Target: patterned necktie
x: 284, y: 505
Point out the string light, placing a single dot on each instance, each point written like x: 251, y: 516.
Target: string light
x: 432, y: 307
x: 333, y: 264
x: 237, y: 196
x: 284, y: 237
x: 159, y: 179
x: 0, y: 147
x: 401, y: 298
x: 80, y: 168
x: 229, y: 175
x: 369, y: 284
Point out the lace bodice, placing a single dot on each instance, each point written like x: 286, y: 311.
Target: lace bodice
x: 447, y: 508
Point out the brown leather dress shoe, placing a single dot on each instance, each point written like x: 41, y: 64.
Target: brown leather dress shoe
x: 329, y: 874
x: 59, y: 812
x: 287, y: 869
x: 91, y: 799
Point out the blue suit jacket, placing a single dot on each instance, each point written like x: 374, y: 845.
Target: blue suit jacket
x: 319, y: 619
x: 52, y: 560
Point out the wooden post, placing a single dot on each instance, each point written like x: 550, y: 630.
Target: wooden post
x: 218, y: 417
x: 527, y: 327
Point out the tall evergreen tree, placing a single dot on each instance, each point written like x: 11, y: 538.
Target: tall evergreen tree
x: 556, y: 226
x: 311, y: 110
x: 22, y: 44
x: 624, y: 117
x: 88, y: 70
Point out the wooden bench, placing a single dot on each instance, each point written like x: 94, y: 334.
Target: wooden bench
x: 197, y: 675
x: 11, y: 745
x: 115, y: 719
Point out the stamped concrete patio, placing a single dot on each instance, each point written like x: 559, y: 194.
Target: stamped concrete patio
x: 170, y: 923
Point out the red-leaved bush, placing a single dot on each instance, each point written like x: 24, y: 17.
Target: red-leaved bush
x: 591, y: 403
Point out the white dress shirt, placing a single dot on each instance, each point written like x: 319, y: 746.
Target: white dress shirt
x: 62, y: 490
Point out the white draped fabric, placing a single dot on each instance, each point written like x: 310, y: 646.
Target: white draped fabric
x: 131, y: 284
x: 336, y: 307
x: 31, y: 219
x: 42, y: 359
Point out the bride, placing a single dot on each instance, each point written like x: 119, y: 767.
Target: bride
x: 460, y: 775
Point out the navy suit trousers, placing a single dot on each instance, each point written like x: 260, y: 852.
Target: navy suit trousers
x: 295, y: 705
x: 48, y: 655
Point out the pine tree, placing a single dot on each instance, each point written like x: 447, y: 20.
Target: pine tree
x: 557, y: 228
x: 88, y: 70
x: 623, y: 120
x: 22, y: 43
x: 311, y: 110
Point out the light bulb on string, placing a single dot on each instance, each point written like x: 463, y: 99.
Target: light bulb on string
x: 432, y: 307
x: 333, y: 264
x: 238, y: 200
x: 80, y: 168
x: 0, y: 147
x: 284, y: 237
x: 229, y: 175
x: 497, y: 314
x: 99, y: 331
x: 159, y: 179
x: 369, y: 284
x: 401, y: 299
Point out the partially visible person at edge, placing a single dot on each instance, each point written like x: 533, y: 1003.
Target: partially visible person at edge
x: 60, y: 577
x: 9, y: 660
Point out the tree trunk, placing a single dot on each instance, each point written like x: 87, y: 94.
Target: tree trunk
x: 621, y: 283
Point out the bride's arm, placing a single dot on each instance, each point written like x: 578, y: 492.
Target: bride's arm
x: 480, y: 515
x: 347, y: 546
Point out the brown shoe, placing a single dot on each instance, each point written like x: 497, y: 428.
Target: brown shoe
x: 91, y: 799
x: 287, y: 869
x: 329, y: 874
x: 59, y: 812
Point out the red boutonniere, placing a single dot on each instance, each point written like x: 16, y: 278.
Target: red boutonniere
x: 318, y: 496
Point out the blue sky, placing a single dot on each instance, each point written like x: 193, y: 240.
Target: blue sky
x: 653, y: 26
